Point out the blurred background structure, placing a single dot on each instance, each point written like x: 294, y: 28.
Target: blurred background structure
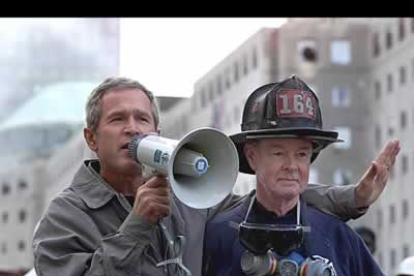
x: 48, y: 71
x: 361, y: 68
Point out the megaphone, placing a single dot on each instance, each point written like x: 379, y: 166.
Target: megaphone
x: 202, y: 167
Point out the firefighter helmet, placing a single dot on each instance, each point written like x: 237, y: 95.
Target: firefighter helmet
x: 286, y: 109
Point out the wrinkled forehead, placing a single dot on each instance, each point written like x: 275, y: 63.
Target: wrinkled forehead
x: 125, y: 98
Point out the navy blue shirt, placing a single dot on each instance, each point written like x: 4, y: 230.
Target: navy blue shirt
x: 329, y: 237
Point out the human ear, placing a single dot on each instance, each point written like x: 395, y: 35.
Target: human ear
x: 250, y: 153
x: 90, y: 138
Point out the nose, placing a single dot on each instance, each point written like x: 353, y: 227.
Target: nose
x: 132, y: 127
x: 291, y: 163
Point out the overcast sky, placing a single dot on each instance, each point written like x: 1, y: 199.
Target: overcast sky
x: 168, y: 55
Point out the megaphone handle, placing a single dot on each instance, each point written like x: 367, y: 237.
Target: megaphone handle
x: 170, y: 242
x: 170, y: 247
x: 148, y: 172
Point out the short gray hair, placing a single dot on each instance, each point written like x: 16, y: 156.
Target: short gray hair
x: 93, y: 107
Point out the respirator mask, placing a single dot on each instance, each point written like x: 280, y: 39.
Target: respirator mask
x: 271, y: 249
x: 292, y: 264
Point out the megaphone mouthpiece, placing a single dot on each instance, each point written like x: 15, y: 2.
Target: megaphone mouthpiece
x: 133, y: 145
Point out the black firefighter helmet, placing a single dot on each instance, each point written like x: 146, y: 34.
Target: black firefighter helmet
x: 281, y: 110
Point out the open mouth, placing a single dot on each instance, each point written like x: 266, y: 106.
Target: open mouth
x: 125, y: 146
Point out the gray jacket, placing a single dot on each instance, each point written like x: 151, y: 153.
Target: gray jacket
x: 89, y: 229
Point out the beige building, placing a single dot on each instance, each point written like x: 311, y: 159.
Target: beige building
x: 391, y: 101
x: 22, y: 193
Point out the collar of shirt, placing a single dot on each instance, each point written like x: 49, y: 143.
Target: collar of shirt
x: 88, y: 184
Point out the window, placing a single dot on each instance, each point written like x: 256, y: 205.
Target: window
x: 377, y: 87
x: 390, y: 131
x: 388, y: 40
x: 392, y: 214
x: 406, y: 251
x: 376, y: 45
x: 340, y: 97
x: 227, y: 80
x: 379, y: 219
x: 5, y: 217
x: 389, y: 83
x: 307, y: 51
x: 218, y: 111
x: 401, y: 29
x: 403, y: 75
x: 245, y: 66
x: 254, y: 58
x: 344, y: 134
x: 393, y: 258
x: 22, y: 215
x: 403, y: 119
x: 22, y: 185
x: 405, y: 208
x: 342, y: 177
x: 307, y: 58
x: 341, y: 52
x: 21, y: 245
x: 404, y: 164
x: 5, y: 189
x: 377, y: 137
x: 236, y: 72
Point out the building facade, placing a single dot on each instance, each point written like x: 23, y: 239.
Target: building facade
x: 391, y: 101
x: 32, y: 137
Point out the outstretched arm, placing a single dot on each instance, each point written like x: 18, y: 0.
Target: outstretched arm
x: 372, y: 183
x: 352, y: 201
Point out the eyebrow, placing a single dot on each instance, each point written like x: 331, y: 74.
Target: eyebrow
x: 121, y: 112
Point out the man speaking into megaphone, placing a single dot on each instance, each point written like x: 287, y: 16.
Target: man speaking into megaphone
x: 107, y: 221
